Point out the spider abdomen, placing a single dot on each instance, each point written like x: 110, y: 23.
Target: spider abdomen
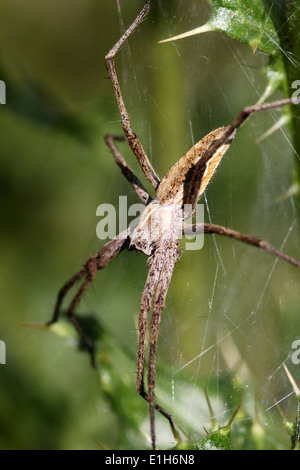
x: 175, y: 186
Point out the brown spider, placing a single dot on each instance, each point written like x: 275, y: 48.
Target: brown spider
x: 157, y: 234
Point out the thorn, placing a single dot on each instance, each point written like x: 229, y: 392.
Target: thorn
x: 206, y: 28
x: 291, y: 192
x: 283, y: 121
x: 228, y: 425
x: 214, y: 424
x: 293, y: 383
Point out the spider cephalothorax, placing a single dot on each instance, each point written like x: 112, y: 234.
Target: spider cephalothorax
x: 157, y: 234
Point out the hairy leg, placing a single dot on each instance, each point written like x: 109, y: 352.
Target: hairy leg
x: 155, y: 263
x: 228, y: 134
x: 227, y: 232
x: 97, y: 261
x: 157, y: 266
x: 133, y: 141
x: 126, y: 170
x: 170, y: 253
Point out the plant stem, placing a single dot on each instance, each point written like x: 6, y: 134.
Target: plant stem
x: 285, y: 15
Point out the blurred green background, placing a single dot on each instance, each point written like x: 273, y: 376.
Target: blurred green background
x: 55, y: 170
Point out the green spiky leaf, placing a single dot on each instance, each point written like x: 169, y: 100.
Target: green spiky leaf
x: 244, y: 20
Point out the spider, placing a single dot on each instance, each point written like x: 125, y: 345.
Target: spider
x: 157, y: 233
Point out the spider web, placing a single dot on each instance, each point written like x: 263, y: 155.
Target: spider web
x: 232, y: 311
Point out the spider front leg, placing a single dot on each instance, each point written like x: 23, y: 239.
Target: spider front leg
x: 133, y: 141
x: 97, y: 261
x: 226, y: 137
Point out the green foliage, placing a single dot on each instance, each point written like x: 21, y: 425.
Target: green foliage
x: 114, y: 365
x: 246, y: 21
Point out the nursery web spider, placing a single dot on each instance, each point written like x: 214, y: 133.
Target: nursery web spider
x: 181, y: 187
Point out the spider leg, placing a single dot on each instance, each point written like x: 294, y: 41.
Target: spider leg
x: 91, y: 271
x: 242, y: 117
x: 126, y: 170
x: 228, y: 134
x: 157, y: 263
x: 63, y: 292
x: 133, y: 141
x: 254, y: 241
x: 171, y: 256
x: 97, y: 261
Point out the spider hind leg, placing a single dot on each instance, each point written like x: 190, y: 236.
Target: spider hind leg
x: 96, y: 262
x: 89, y: 270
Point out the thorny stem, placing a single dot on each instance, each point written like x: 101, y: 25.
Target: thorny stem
x: 286, y: 18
